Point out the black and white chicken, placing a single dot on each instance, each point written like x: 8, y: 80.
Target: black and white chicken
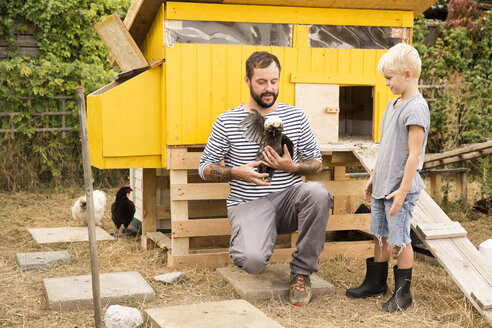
x: 79, y: 208
x: 266, y: 132
x: 123, y: 209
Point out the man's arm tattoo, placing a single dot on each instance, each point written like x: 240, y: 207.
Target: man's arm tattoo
x: 308, y: 167
x: 219, y: 172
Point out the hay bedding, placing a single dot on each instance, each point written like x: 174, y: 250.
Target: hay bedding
x: 437, y: 301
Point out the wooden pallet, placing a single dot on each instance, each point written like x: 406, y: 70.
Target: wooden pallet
x: 186, y: 226
x: 448, y: 243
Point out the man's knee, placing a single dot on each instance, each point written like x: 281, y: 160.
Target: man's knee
x: 253, y: 263
x: 318, y: 193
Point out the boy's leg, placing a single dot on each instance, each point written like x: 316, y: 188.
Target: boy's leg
x: 253, y: 234
x: 374, y: 283
x: 382, y: 250
x: 405, y: 257
x: 399, y: 228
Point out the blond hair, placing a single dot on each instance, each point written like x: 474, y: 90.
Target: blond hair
x: 398, y: 59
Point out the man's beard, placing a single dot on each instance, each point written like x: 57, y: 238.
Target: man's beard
x: 258, y: 98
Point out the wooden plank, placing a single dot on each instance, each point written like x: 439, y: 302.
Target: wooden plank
x: 149, y: 219
x: 440, y: 230
x: 345, y: 188
x: 367, y: 156
x: 160, y: 239
x: 218, y: 258
x: 220, y: 227
x: 458, y: 158
x: 120, y: 43
x: 483, y: 299
x: 200, y: 191
x: 197, y: 209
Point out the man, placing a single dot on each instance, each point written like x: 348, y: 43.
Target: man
x: 259, y: 209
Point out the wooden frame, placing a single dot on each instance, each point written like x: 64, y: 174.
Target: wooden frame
x: 186, y: 222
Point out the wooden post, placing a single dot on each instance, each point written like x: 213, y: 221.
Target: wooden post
x: 436, y: 187
x: 96, y: 294
x: 461, y: 188
x: 149, y: 209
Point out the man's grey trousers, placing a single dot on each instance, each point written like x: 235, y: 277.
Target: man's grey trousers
x: 304, y: 207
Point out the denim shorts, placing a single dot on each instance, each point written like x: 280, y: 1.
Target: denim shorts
x: 397, y: 227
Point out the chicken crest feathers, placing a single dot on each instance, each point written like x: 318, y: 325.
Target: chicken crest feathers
x: 253, y: 124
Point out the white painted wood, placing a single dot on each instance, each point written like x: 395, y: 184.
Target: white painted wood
x: 319, y: 102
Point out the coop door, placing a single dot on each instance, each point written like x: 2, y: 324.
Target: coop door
x: 320, y: 103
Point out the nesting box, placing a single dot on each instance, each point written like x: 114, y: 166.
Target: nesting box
x: 158, y: 115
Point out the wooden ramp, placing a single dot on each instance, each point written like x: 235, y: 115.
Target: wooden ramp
x: 447, y: 241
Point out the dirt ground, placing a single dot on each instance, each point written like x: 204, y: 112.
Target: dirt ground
x: 438, y: 302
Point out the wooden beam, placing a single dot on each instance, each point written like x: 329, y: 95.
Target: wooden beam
x: 436, y: 186
x: 458, y: 158
x: 149, y: 213
x: 199, y: 191
x: 221, y: 258
x: 197, y: 209
x: 220, y: 227
x: 459, y: 151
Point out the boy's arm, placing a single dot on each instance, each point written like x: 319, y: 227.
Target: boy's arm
x: 415, y: 139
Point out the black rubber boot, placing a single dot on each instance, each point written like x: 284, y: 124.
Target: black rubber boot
x: 375, y: 281
x: 402, y: 298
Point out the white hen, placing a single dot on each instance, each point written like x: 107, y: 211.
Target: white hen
x: 79, y: 208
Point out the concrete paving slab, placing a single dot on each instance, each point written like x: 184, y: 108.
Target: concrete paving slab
x: 66, y: 234
x: 272, y: 282
x: 70, y: 293
x: 41, y: 260
x: 223, y: 314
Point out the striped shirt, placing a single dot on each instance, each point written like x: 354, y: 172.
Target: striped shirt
x: 227, y: 143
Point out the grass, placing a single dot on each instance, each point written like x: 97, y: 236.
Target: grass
x: 438, y: 302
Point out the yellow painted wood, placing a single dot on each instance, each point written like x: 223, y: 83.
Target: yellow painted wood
x: 287, y: 15
x: 212, y: 81
x: 94, y: 131
x: 300, y: 37
x: 132, y: 116
x: 163, y: 116
x: 153, y: 45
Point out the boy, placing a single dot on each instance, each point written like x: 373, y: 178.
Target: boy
x: 395, y: 184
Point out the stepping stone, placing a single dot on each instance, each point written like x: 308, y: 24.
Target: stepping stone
x: 224, y: 314
x: 272, y: 282
x: 41, y: 260
x: 66, y: 234
x: 70, y: 293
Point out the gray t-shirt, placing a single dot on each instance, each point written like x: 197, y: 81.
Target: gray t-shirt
x: 393, y: 149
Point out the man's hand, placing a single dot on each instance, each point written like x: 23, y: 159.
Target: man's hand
x: 398, y: 199
x: 284, y: 163
x: 248, y: 173
x: 368, y: 190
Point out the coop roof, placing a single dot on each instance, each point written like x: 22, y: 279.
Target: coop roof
x: 142, y: 12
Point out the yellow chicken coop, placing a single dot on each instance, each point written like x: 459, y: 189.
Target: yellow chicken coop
x: 183, y: 64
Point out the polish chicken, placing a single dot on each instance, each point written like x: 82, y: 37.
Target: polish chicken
x: 79, y: 208
x: 122, y: 210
